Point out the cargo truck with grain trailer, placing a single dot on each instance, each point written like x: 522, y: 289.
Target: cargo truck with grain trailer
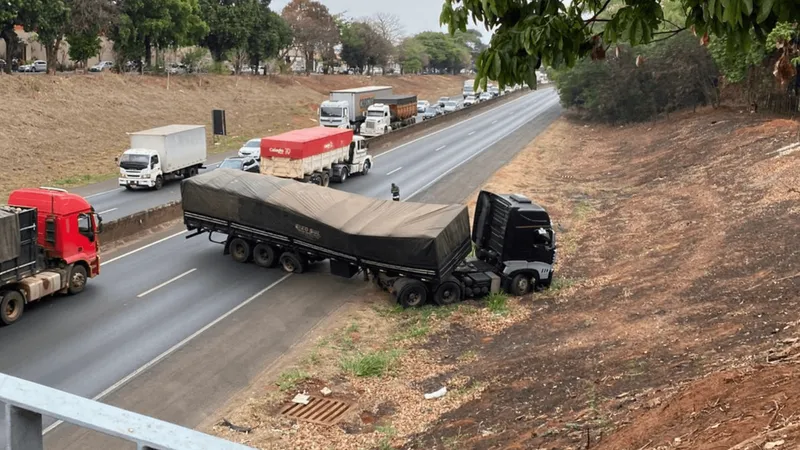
x: 315, y: 155
x: 347, y: 108
x: 161, y: 154
x: 48, y: 245
x: 390, y: 113
x: 416, y: 251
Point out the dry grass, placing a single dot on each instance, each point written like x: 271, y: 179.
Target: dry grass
x: 67, y: 130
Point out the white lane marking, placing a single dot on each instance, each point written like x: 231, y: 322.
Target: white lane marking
x: 470, y: 133
x: 471, y: 157
x: 395, y: 170
x: 103, y: 193
x: 166, y: 283
x: 440, y: 148
x: 144, y: 247
x: 107, y: 211
x: 173, y: 349
x: 457, y: 124
x: 494, y: 122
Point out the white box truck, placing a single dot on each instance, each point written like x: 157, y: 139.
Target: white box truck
x: 347, y: 108
x: 160, y: 154
x: 315, y: 155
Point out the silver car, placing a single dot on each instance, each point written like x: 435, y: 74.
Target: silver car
x: 251, y: 148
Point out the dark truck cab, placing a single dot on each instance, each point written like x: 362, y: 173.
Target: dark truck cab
x: 416, y: 251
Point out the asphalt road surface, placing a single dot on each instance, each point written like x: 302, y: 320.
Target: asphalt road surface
x: 172, y: 328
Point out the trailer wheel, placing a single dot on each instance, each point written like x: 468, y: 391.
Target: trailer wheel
x: 77, y: 279
x: 410, y: 293
x: 264, y: 255
x: 326, y: 179
x: 448, y: 293
x: 11, y: 307
x: 291, y: 263
x: 240, y: 250
x: 520, y: 284
x: 159, y: 183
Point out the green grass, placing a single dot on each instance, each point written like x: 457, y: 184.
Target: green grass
x: 497, y: 303
x: 388, y: 433
x: 583, y: 209
x: 288, y: 380
x: 372, y: 364
x: 561, y: 283
x: 82, y: 180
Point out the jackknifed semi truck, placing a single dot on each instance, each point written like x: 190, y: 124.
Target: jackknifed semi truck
x: 315, y: 155
x: 417, y: 251
x: 48, y: 245
x: 347, y: 108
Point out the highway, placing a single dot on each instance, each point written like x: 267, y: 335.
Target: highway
x: 155, y: 297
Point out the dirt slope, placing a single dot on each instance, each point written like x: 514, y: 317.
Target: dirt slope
x: 67, y: 130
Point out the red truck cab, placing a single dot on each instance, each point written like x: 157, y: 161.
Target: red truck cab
x: 67, y: 228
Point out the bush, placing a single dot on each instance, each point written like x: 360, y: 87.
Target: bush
x: 676, y: 73
x: 373, y: 364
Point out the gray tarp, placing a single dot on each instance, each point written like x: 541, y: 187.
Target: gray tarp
x: 417, y: 235
x: 9, y: 236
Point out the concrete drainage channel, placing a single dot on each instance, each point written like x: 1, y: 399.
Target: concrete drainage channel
x: 130, y: 226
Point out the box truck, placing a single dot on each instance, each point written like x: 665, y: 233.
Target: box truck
x: 417, y: 251
x: 347, y: 108
x: 161, y: 154
x: 315, y: 155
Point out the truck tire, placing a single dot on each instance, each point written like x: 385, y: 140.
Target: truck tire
x: 410, y: 293
x: 129, y: 187
x: 240, y: 250
x: 343, y: 176
x: 264, y: 255
x: 367, y: 166
x: 448, y: 292
x: 12, y: 304
x: 520, y: 284
x: 159, y: 183
x: 292, y: 263
x: 326, y: 179
x: 77, y: 279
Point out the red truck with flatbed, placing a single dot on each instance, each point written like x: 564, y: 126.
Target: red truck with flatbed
x: 48, y: 245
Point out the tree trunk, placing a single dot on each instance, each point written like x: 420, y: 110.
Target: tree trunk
x: 309, y: 61
x: 147, y: 50
x: 10, y: 38
x: 51, y: 52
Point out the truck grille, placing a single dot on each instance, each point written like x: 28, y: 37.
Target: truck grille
x: 370, y: 126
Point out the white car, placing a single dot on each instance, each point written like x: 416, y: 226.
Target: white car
x: 486, y: 96
x: 422, y: 105
x: 451, y: 106
x: 251, y: 148
x: 471, y: 100
x: 101, y: 66
x: 39, y: 66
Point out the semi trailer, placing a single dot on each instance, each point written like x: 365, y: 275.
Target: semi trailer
x: 347, y: 108
x: 416, y: 251
x: 315, y: 155
x: 160, y: 154
x: 48, y: 245
x: 390, y: 113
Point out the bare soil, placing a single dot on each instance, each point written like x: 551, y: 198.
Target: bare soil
x: 672, y: 322
x: 67, y: 130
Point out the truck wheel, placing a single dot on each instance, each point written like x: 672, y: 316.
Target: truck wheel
x: 326, y: 179
x: 240, y: 250
x: 520, y: 284
x: 159, y: 183
x: 11, y: 307
x: 343, y: 176
x: 410, y: 293
x: 77, y: 279
x: 129, y: 187
x: 291, y: 263
x: 367, y: 166
x: 448, y: 293
x: 264, y: 255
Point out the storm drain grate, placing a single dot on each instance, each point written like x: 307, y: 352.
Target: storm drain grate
x: 322, y: 411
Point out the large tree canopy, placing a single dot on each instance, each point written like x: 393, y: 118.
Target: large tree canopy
x: 530, y: 33
x: 363, y: 46
x: 230, y: 23
x: 313, y: 28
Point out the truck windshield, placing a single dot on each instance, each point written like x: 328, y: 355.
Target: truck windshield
x: 129, y: 161
x: 374, y: 113
x: 330, y: 112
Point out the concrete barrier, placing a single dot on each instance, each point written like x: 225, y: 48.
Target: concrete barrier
x: 386, y: 141
x: 128, y: 226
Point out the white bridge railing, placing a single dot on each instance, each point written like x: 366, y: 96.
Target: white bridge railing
x: 26, y: 403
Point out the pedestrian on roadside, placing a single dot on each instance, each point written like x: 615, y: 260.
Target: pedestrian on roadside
x: 395, y: 193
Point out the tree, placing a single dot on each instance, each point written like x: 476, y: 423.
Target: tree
x: 363, y: 47
x: 313, y: 29
x: 147, y: 24
x: 271, y: 35
x: 82, y: 46
x: 559, y: 32
x: 445, y: 52
x: 12, y: 13
x: 88, y: 19
x: 388, y: 26
x: 412, y: 55
x: 52, y: 23
x: 230, y: 23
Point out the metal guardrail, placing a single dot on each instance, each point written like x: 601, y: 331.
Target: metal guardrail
x: 26, y: 403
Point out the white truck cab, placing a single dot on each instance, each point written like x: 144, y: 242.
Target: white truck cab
x: 379, y: 120
x: 358, y: 162
x: 334, y: 114
x: 139, y: 167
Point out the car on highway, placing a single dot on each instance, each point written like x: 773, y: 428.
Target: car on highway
x: 442, y: 101
x: 101, y: 66
x: 494, y: 91
x: 486, y: 96
x: 470, y: 100
x: 251, y: 148
x: 247, y: 164
x: 422, y: 105
x: 451, y: 106
x: 431, y: 112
